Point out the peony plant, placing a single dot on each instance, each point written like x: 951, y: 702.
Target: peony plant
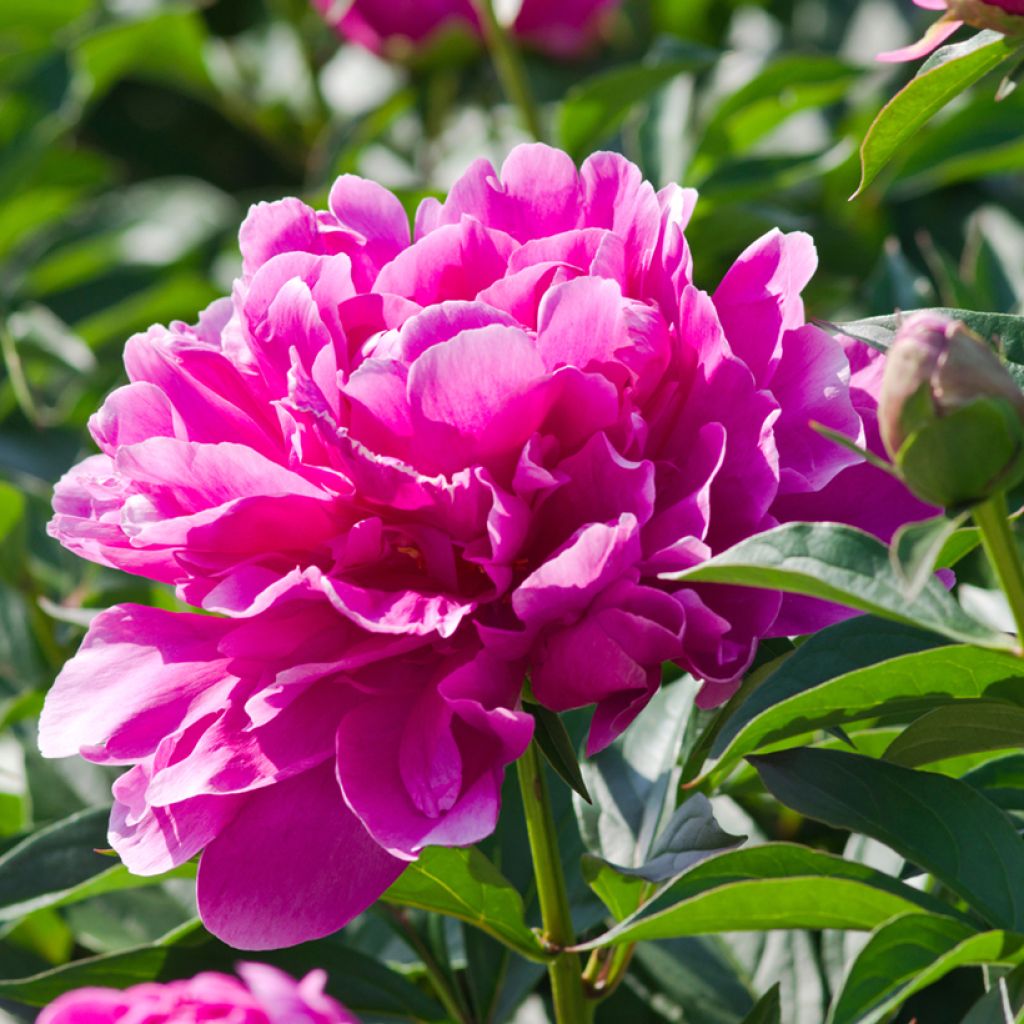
x: 532, y: 610
x: 395, y: 474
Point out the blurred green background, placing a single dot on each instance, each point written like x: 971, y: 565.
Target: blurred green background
x: 135, y: 133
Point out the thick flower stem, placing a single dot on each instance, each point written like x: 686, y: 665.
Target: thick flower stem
x: 992, y: 518
x: 509, y: 66
x: 564, y: 969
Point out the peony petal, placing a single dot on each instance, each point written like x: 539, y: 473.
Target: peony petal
x: 759, y: 298
x: 294, y: 864
x: 140, y: 674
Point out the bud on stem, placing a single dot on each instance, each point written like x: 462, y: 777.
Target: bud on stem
x: 950, y: 414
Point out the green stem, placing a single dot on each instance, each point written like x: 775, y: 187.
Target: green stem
x: 992, y: 518
x: 434, y: 971
x: 509, y: 66
x: 564, y: 968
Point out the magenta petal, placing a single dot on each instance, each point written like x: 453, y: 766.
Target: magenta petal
x: 371, y: 211
x: 139, y: 674
x: 272, y: 228
x: 594, y: 557
x: 811, y: 384
x: 483, y: 386
x: 456, y: 261
x: 427, y: 769
x: 759, y: 298
x: 936, y: 35
x: 152, y: 840
x: 294, y: 864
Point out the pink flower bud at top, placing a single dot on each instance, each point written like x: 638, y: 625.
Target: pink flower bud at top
x: 950, y: 415
x: 1006, y: 16
x: 1002, y: 15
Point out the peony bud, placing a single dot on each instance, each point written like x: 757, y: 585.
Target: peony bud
x: 950, y: 415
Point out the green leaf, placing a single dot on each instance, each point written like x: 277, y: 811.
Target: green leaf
x: 790, y: 84
x: 167, y: 46
x: 12, y: 508
x: 910, y: 953
x: 768, y: 1009
x: 941, y: 824
x: 958, y: 546
x: 364, y: 984
x: 702, y: 974
x: 690, y: 835
x: 1001, y: 780
x: 556, y: 745
x: 916, y: 548
x: 1001, y: 329
x: 59, y: 865
x: 967, y: 727
x: 841, y: 564
x: 776, y: 885
x: 795, y: 701
x: 619, y: 892
x: 632, y: 780
x: 463, y: 883
x: 950, y: 71
x: 1003, y: 1003
x: 595, y: 108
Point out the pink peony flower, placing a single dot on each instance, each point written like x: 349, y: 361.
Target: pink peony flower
x: 264, y: 996
x: 405, y: 472
x: 1002, y: 15
x: 565, y: 28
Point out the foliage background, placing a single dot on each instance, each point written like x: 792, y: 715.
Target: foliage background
x: 133, y: 136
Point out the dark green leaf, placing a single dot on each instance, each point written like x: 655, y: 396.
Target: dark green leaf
x: 632, y: 780
x: 59, y: 865
x: 701, y: 974
x: 777, y: 885
x: 1003, y: 1003
x: 1001, y: 780
x: 793, y: 702
x: 1004, y: 331
x: 967, y: 727
x: 910, y: 953
x: 556, y: 745
x: 768, y: 1009
x: 841, y: 564
x: 690, y: 835
x: 941, y: 824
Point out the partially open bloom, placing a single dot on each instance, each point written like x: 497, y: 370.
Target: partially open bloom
x: 404, y: 472
x: 265, y: 995
x: 563, y: 28
x: 1002, y: 15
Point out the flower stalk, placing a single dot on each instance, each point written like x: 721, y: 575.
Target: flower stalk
x: 509, y: 66
x: 992, y: 519
x: 564, y: 969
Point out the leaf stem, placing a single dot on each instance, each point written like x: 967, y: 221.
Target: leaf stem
x: 992, y: 518
x: 509, y: 66
x: 564, y: 968
x: 434, y: 971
